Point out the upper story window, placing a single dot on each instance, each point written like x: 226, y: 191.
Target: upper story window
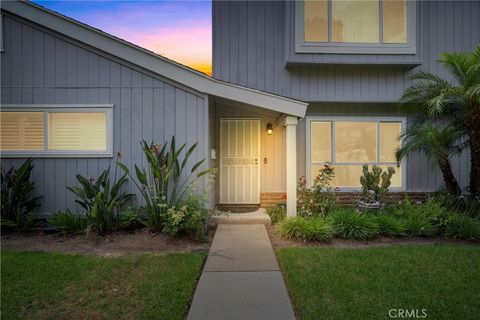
x: 56, y: 130
x: 355, y: 26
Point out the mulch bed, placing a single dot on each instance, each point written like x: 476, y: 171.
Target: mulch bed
x: 278, y: 242
x: 118, y: 243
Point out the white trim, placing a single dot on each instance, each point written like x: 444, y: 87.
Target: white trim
x: 291, y: 164
x: 333, y: 120
x: 46, y: 108
x: 153, y: 62
x: 355, y: 48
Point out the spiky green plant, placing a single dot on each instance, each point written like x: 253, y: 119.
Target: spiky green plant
x: 389, y: 226
x: 352, y: 225
x: 101, y: 199
x: 164, y: 184
x: 68, y: 222
x: 457, y: 101
x: 17, y: 200
x: 314, y: 229
x: 438, y: 143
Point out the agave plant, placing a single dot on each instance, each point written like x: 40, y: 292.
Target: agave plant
x: 164, y: 184
x: 17, y: 200
x: 101, y: 199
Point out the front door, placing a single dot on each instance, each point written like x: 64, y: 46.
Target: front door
x: 239, y: 154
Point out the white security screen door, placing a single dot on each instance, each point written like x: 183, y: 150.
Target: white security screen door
x: 239, y: 155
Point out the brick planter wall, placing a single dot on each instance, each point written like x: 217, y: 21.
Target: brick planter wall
x: 270, y: 199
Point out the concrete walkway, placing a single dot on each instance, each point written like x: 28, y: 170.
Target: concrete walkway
x: 241, y: 278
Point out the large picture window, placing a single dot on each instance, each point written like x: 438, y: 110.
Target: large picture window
x: 53, y: 130
x: 355, y: 26
x: 347, y: 144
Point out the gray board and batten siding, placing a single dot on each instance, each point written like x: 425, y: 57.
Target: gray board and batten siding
x: 253, y: 41
x: 254, y: 45
x: 40, y: 66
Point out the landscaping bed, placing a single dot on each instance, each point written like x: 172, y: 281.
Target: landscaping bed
x: 117, y: 243
x: 440, y: 281
x: 39, y: 285
x: 279, y: 242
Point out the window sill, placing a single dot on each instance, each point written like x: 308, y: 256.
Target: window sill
x: 62, y: 154
x: 393, y: 63
x: 354, y: 48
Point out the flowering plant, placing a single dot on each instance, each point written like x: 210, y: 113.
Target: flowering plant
x: 319, y: 199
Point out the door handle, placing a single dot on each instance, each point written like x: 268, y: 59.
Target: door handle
x: 256, y: 161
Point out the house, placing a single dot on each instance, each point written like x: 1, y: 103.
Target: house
x: 295, y: 85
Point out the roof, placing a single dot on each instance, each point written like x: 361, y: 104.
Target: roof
x: 152, y: 61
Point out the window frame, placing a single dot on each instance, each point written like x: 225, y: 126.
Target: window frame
x: 308, y: 144
x: 74, y: 108
x: 301, y: 46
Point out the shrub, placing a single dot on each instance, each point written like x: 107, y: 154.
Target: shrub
x: 101, y: 199
x: 466, y: 204
x: 389, y: 225
x: 421, y: 219
x: 17, y: 201
x: 418, y: 225
x: 190, y: 217
x: 375, y: 183
x: 277, y: 214
x: 68, y: 222
x: 319, y: 199
x: 130, y: 219
x: 316, y: 229
x: 352, y: 225
x: 163, y: 187
x: 464, y: 227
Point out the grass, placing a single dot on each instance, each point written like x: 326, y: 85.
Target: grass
x: 335, y: 283
x: 58, y: 286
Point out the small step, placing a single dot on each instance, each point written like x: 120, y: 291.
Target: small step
x: 259, y: 216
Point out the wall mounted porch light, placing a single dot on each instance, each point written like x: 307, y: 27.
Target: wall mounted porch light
x: 269, y: 129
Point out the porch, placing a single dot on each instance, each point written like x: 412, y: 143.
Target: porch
x: 254, y: 151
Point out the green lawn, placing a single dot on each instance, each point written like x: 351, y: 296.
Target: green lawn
x: 58, y: 286
x: 334, y: 283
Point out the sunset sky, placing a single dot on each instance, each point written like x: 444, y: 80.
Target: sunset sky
x: 178, y: 30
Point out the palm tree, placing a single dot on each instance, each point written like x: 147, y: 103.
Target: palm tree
x: 457, y: 101
x: 438, y: 143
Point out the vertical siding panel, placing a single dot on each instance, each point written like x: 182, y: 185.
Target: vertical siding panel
x: 103, y: 72
x: 158, y: 114
x: 71, y: 66
x: 242, y: 43
x: 126, y: 127
x: 251, y: 41
x: 234, y: 40
x: 49, y: 185
x: 60, y: 181
x: 60, y: 63
x: 70, y: 181
x: 137, y: 125
x: 38, y: 178
x: 260, y: 43
x: 180, y: 116
x: 169, y: 121
x: 225, y: 37
x: 7, y: 54
x: 39, y: 58
x: 49, y: 47
x: 147, y: 114
x: 93, y: 70
x: 82, y: 68
x: 16, y: 59
x: 27, y: 56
